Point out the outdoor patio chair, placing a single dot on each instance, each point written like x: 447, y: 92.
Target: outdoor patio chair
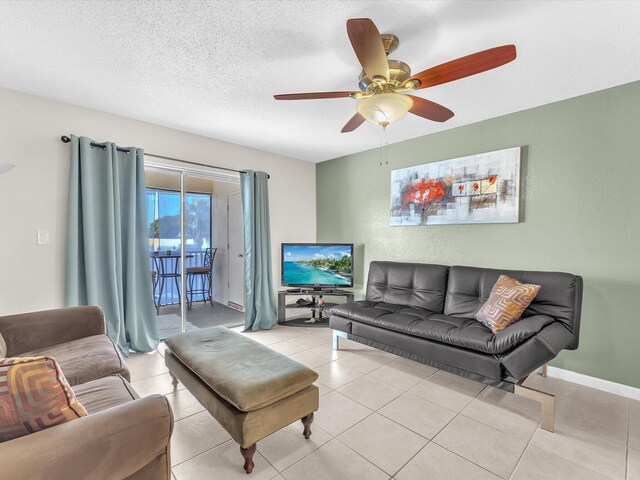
x: 204, y: 275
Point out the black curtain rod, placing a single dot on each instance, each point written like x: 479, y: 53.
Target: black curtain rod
x: 66, y: 139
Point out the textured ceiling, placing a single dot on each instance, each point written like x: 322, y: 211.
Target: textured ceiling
x: 212, y: 68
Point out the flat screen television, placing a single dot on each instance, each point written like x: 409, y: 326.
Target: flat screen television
x: 317, y: 265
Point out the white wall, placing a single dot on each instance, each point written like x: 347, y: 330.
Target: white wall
x: 220, y: 274
x: 33, y: 196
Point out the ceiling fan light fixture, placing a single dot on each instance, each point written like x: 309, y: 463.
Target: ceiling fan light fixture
x: 385, y: 108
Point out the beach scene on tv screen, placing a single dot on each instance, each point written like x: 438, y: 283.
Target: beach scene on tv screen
x: 316, y: 265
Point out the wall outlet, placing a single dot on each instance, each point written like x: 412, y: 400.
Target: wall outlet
x: 43, y: 237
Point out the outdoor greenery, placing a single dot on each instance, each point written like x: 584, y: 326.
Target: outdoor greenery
x: 198, y: 211
x: 165, y: 227
x: 198, y: 218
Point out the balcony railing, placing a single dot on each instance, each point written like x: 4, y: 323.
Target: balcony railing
x: 170, y: 293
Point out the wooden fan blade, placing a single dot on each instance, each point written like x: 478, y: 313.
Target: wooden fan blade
x: 366, y: 42
x: 352, y: 124
x: 429, y: 110
x: 465, y: 66
x: 312, y: 96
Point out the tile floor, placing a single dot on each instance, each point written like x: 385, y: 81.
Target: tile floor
x: 385, y: 417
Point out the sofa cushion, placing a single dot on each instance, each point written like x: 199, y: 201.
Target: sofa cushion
x: 508, y: 299
x: 560, y: 296
x: 468, y: 363
x: 34, y: 395
x: 375, y: 313
x: 85, y: 359
x: 458, y: 331
x: 410, y: 284
x: 104, y: 393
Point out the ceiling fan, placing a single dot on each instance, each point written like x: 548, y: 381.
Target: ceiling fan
x: 383, y: 82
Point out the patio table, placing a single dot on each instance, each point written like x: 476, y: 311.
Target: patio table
x: 166, y: 266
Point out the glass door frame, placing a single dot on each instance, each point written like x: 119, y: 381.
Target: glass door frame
x: 205, y: 172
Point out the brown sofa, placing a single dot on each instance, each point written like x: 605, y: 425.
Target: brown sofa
x: 123, y: 436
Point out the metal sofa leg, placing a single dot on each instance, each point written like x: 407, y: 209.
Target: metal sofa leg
x: 547, y: 400
x: 336, y: 338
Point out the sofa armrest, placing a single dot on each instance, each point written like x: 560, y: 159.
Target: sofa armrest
x: 30, y: 331
x: 112, y: 444
x: 537, y: 350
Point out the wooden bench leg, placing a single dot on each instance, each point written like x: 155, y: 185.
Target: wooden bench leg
x: 307, y: 421
x: 247, y: 454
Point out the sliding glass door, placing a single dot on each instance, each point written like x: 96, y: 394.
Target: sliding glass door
x: 164, y: 210
x: 189, y: 221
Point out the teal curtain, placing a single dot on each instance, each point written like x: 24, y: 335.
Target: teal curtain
x: 259, y: 302
x: 107, y: 242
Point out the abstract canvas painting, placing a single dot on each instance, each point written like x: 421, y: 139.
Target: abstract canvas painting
x: 482, y: 188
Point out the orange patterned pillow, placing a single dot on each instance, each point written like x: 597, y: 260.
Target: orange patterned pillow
x: 34, y: 395
x: 508, y: 299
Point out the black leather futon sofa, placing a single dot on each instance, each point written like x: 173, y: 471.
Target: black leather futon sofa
x: 426, y: 313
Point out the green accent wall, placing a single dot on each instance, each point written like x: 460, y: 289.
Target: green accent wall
x: 580, y: 213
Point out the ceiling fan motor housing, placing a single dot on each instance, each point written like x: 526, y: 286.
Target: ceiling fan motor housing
x: 398, y: 73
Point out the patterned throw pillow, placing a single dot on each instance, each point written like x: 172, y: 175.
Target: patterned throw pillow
x: 34, y: 395
x: 508, y: 299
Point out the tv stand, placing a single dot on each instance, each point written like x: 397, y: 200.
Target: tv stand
x: 319, y: 308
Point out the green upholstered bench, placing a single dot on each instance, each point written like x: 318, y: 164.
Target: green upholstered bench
x: 251, y: 390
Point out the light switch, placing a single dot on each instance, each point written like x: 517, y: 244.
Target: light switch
x: 43, y: 237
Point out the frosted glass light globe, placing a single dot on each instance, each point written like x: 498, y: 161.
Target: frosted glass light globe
x: 385, y: 108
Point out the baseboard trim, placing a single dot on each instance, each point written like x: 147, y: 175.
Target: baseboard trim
x: 235, y: 306
x: 593, y: 382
